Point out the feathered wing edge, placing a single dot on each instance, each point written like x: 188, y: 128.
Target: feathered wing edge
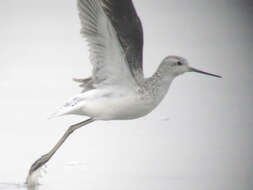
x: 106, y: 52
x: 128, y: 26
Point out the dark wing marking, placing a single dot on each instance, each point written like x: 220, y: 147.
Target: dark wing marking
x: 129, y: 30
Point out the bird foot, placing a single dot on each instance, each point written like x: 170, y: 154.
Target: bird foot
x: 36, y: 171
x: 39, y: 163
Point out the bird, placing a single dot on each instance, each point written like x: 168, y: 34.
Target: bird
x: 117, y: 88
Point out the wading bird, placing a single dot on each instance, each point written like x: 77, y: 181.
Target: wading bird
x: 115, y: 38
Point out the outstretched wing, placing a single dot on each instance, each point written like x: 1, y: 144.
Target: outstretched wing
x: 129, y: 30
x: 106, y: 53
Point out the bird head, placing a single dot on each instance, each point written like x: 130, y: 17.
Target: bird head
x: 176, y: 65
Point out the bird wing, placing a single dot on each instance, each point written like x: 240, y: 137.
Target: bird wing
x: 106, y: 53
x: 129, y: 30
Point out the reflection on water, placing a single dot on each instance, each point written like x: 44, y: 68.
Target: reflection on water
x: 33, y: 187
x: 17, y: 186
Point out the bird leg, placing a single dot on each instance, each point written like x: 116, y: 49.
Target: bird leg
x: 46, y: 157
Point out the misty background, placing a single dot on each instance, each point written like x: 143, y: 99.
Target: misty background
x: 199, y: 137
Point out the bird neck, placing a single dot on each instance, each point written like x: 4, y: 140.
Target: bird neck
x: 159, y: 84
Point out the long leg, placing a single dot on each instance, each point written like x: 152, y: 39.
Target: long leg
x: 45, y: 158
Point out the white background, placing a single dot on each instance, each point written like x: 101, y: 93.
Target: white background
x: 199, y: 138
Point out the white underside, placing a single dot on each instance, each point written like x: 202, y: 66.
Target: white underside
x: 108, y: 104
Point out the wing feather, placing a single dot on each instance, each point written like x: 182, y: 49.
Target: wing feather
x: 129, y: 30
x: 106, y: 53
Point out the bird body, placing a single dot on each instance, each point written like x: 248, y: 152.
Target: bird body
x: 127, y: 102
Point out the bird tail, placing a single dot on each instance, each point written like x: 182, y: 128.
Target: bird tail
x: 71, y: 107
x: 58, y: 113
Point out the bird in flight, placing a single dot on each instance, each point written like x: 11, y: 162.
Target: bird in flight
x: 117, y: 88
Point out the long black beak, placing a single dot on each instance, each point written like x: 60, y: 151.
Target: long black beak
x: 205, y: 73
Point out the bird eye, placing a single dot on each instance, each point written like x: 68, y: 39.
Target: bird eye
x: 179, y: 63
